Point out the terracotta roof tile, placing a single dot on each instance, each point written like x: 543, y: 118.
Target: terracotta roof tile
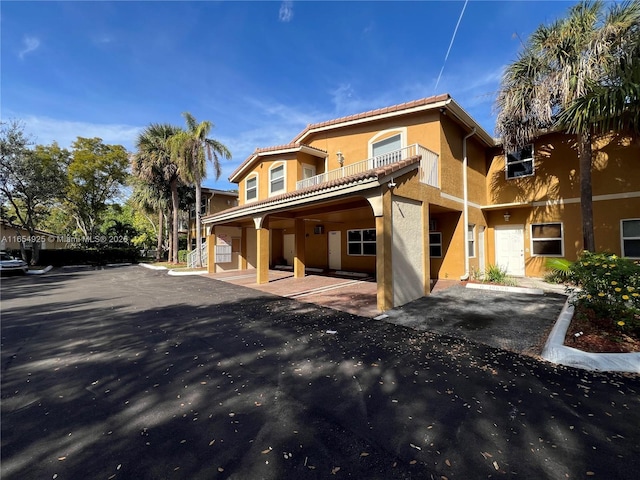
x: 358, y: 177
x: 284, y: 147
x: 373, y: 113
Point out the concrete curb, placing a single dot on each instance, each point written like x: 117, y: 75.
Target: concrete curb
x: 504, y: 288
x: 557, y: 352
x: 152, y: 267
x: 40, y: 272
x: 178, y: 274
x: 173, y: 273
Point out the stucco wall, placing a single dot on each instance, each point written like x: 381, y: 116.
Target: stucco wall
x: 407, y: 251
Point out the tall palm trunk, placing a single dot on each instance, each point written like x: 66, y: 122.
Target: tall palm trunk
x: 175, y: 206
x: 586, y: 192
x: 198, y: 224
x: 160, y: 235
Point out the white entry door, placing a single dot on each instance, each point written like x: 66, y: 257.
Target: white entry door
x: 510, y: 249
x: 288, y: 246
x: 335, y: 250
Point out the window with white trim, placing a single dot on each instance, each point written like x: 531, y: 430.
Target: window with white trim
x: 435, y: 244
x: 251, y: 188
x: 519, y: 163
x: 630, y: 237
x: 471, y: 240
x: 276, y: 179
x: 361, y: 242
x: 387, y: 151
x: 547, y: 240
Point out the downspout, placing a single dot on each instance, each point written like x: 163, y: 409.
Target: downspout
x: 465, y: 208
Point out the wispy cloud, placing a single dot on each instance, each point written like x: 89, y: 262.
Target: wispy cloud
x: 286, y: 11
x: 29, y: 44
x: 46, y: 130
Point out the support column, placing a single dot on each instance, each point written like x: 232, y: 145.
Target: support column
x: 427, y: 249
x: 211, y: 251
x: 262, y: 257
x: 242, y: 265
x: 299, y: 261
x: 384, y: 266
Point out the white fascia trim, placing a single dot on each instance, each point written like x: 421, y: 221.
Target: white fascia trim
x: 337, y: 191
x: 381, y: 116
x: 459, y: 200
x: 550, y: 203
x: 468, y: 120
x: 499, y: 206
x: 596, y: 198
x: 282, y: 151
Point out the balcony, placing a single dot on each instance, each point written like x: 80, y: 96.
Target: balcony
x: 428, y: 167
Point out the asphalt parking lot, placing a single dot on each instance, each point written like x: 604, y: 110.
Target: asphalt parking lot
x: 127, y: 373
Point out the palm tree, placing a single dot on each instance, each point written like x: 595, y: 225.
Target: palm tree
x: 153, y: 163
x: 614, y: 102
x: 190, y: 150
x: 556, y: 71
x: 152, y: 197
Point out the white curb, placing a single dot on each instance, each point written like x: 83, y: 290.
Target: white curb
x: 504, y: 288
x: 555, y: 351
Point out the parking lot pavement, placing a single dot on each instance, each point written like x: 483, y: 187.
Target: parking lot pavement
x: 130, y: 373
x: 512, y: 321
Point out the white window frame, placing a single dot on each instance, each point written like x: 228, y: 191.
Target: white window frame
x: 386, y: 135
x: 471, y: 240
x: 273, y: 167
x: 361, y: 242
x: 434, y: 244
x: 246, y: 187
x: 308, y: 166
x: 543, y: 239
x: 623, y: 238
x: 519, y: 160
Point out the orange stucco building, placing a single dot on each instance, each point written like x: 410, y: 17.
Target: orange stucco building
x: 420, y: 191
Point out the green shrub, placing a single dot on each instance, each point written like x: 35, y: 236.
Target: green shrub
x: 559, y: 270
x: 497, y: 274
x: 182, y: 256
x: 609, y: 285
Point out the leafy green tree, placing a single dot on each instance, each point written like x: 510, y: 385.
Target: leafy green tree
x: 561, y: 64
x: 96, y: 174
x: 31, y: 180
x: 190, y: 150
x: 152, y: 164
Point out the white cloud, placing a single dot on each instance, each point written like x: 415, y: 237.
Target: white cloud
x: 46, y: 130
x: 29, y: 45
x: 286, y: 11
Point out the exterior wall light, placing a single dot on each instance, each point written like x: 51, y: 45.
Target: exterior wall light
x: 340, y: 158
x: 507, y: 216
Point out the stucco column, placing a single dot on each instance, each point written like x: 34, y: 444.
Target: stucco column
x: 211, y: 251
x: 384, y: 267
x: 262, y: 257
x: 242, y: 264
x: 299, y: 261
x: 427, y: 249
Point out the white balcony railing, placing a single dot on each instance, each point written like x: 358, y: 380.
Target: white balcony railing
x: 428, y: 166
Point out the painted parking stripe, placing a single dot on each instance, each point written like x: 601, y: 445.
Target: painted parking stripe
x: 327, y: 288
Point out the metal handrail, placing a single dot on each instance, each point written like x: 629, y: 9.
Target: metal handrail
x: 428, y: 166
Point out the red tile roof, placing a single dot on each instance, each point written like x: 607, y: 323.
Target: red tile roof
x: 288, y: 146
x: 374, y: 173
x: 372, y: 113
x: 259, y: 151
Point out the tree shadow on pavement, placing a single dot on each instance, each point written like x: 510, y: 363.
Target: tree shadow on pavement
x: 193, y: 378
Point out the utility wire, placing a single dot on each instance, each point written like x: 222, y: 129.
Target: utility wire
x: 453, y: 37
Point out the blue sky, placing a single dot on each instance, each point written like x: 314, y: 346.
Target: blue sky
x: 260, y: 71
